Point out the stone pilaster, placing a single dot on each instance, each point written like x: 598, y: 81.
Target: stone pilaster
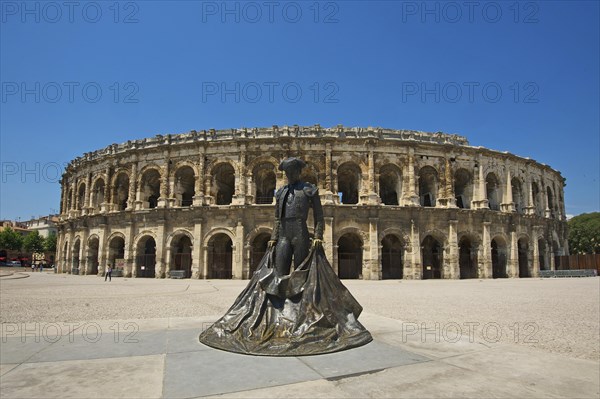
x: 411, y: 197
x: 508, y: 205
x: 163, y: 199
x: 328, y: 241
x: 480, y: 200
x: 198, y: 199
x: 372, y: 265
x: 414, y: 270
x: 329, y: 197
x: 129, y: 269
x: 160, y: 267
x: 451, y: 266
x: 372, y: 197
x: 238, y: 253
x: 133, y: 192
x: 197, y: 258
x: 485, y: 258
x: 513, y: 256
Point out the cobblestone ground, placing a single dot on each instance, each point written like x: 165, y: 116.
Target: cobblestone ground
x: 555, y: 315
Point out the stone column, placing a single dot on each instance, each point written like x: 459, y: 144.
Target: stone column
x: 164, y: 200
x: 83, y: 251
x: 411, y: 193
x: 130, y: 269
x: 372, y: 197
x: 133, y: 192
x: 536, y: 257
x: 479, y: 193
x: 372, y: 265
x: 452, y: 269
x: 205, y: 249
x: 328, y: 241
x: 160, y: 246
x: 417, y: 262
x: 545, y: 204
x: 86, y: 209
x: 508, y: 205
x: 530, y: 208
x: 329, y: 196
x: 447, y: 198
x: 198, y: 199
x: 208, y: 198
x: 513, y: 257
x: 197, y: 258
x: 73, y: 207
x: 102, y: 248
x: 239, y: 197
x: 108, y: 189
x: 485, y: 260
x: 238, y: 253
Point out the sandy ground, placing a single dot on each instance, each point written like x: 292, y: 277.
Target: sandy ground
x: 555, y: 315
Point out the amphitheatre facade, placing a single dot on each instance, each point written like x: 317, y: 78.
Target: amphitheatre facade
x: 397, y: 204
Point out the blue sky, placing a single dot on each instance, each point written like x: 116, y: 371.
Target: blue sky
x: 511, y: 76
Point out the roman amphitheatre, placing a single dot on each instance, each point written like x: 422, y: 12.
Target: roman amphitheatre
x: 398, y: 204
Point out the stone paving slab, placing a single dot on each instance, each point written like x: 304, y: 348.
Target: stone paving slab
x: 166, y: 360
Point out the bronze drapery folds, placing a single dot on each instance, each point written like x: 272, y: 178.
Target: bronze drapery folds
x: 307, y: 312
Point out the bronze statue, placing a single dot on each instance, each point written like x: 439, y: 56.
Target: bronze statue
x: 305, y: 312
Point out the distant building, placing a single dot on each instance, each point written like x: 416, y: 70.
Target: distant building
x: 45, y: 225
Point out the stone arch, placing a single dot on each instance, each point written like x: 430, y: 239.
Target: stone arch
x: 349, y: 177
x: 349, y: 255
x: 390, y: 184
x: 392, y: 259
x: 517, y: 194
x: 80, y: 196
x: 184, y: 180
x: 493, y: 191
x: 181, y: 244
x: 263, y: 159
x: 223, y: 183
x: 145, y: 254
x: 116, y: 248
x: 120, y: 187
x: 76, y: 253
x: 149, y: 186
x: 220, y: 256
x: 264, y: 178
x: 93, y: 252
x: 463, y: 188
x: 523, y: 256
x: 432, y: 255
x: 468, y: 245
x: 499, y: 251
x: 428, y: 185
x: 97, y: 194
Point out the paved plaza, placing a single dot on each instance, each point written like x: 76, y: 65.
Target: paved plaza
x: 77, y: 337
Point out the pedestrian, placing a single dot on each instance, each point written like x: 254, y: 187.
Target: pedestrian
x: 108, y: 274
x: 32, y: 267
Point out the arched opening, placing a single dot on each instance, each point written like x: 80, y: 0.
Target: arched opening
x: 223, y: 186
x: 523, y: 247
x: 463, y: 188
x: 184, y: 186
x: 310, y: 174
x: 348, y: 182
x: 75, y: 255
x: 220, y: 255
x: 517, y: 194
x: 116, y: 251
x: 150, y: 188
x: 181, y: 251
x: 92, y: 255
x: 542, y: 254
x: 492, y: 189
x: 145, y: 262
x: 467, y: 258
x: 432, y: 258
x: 390, y: 184
x: 264, y: 180
x: 121, y: 191
x: 98, y: 194
x: 257, y: 251
x: 81, y: 197
x: 391, y: 257
x: 428, y: 186
x: 350, y: 256
x: 499, y: 258
x: 537, y: 201
x: 550, y: 199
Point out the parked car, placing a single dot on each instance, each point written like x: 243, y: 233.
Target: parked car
x: 13, y: 263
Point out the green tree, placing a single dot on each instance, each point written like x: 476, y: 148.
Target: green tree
x: 50, y: 243
x: 34, y: 242
x: 584, y: 234
x: 10, y: 239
